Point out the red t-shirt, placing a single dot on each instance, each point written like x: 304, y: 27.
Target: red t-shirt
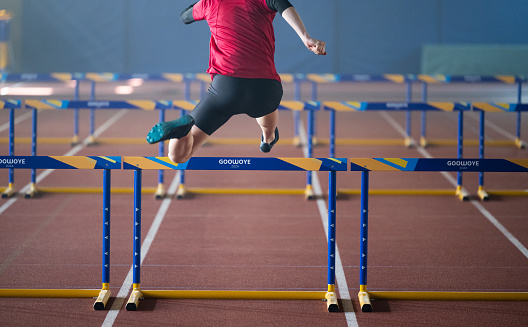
x: 242, y: 37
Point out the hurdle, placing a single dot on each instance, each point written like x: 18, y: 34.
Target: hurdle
x: 482, y: 108
x: 138, y: 164
x: 72, y: 162
x: 352, y: 106
x: 473, y: 79
x: 365, y: 166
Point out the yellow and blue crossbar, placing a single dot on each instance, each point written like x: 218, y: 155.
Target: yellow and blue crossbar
x: 238, y: 163
x: 395, y: 106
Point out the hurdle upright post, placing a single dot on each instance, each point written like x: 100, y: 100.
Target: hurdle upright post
x: 136, y: 295
x: 408, y: 140
x: 423, y: 137
x: 33, y: 186
x: 364, y: 299
x: 75, y: 139
x: 10, y: 190
x: 160, y: 190
x: 520, y: 144
x: 104, y: 295
x: 331, y: 299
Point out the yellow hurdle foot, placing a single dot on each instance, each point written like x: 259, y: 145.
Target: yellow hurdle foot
x: 32, y: 192
x: 462, y: 194
x: 409, y: 142
x: 423, y: 142
x: 331, y: 302
x: 308, y: 193
x: 75, y: 140
x: 91, y: 140
x: 297, y: 141
x: 160, y: 192
x: 181, y: 192
x: 102, y: 300
x: 133, y: 301
x: 364, y: 301
x: 8, y: 192
x: 483, y: 195
x: 520, y: 144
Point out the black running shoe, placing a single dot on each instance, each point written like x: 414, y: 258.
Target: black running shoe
x: 265, y: 147
x: 174, y: 129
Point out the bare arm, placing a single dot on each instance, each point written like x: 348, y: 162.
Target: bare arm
x: 292, y: 17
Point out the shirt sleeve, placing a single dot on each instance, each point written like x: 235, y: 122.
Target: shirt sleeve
x: 278, y: 5
x: 194, y: 12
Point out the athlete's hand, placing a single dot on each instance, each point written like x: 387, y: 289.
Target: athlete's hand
x: 316, y: 46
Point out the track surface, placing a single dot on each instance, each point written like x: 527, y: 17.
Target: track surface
x: 270, y: 242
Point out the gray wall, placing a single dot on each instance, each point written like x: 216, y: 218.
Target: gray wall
x: 146, y: 36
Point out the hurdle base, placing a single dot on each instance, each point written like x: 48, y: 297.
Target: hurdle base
x: 91, y: 140
x: 297, y: 141
x: 331, y: 302
x: 483, y: 195
x: 462, y: 194
x: 102, y: 300
x: 309, y: 193
x: 364, y: 301
x: 423, y: 142
x: 75, y: 140
x: 133, y: 300
x: 8, y: 192
x: 520, y: 144
x: 159, y: 194
x: 32, y: 192
x: 181, y: 192
x: 409, y: 142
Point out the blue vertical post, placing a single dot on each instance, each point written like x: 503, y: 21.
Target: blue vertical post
x: 481, y: 145
x: 161, y: 153
x: 106, y: 227
x: 76, y: 114
x: 519, y: 113
x: 33, y: 188
x: 408, y: 113
x: 11, y: 144
x: 460, y: 145
x: 136, y: 262
x: 332, y: 133
x: 314, y: 98
x: 363, y: 246
x: 92, y: 114
x: 296, y: 114
x: 331, y: 229
x: 423, y: 141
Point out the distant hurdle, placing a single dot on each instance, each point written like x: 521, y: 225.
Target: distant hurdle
x: 138, y: 164
x: 71, y: 162
x: 365, y: 166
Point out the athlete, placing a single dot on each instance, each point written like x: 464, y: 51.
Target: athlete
x: 242, y: 68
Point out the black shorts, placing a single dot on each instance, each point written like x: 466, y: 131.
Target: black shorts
x: 228, y: 96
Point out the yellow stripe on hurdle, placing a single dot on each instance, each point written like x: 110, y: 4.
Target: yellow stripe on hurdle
x: 496, y: 107
x: 432, y: 79
x: 77, y: 161
x: 186, y: 105
x: 143, y: 104
x: 395, y: 78
x: 62, y: 76
x: 293, y: 105
x: 100, y: 77
x: 372, y: 164
x: 445, y: 106
x: 506, y: 78
x: 286, y: 78
x: 145, y: 163
x: 49, y: 293
x: 178, y: 78
x: 340, y: 106
x: 235, y: 295
x: 454, y: 296
x: 38, y: 104
x: 304, y: 163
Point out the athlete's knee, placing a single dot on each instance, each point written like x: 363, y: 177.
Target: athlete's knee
x: 178, y: 157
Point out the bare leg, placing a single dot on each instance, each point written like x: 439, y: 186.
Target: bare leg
x: 267, y: 124
x: 181, y: 150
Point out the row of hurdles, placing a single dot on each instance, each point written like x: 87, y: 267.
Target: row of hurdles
x: 296, y: 106
x: 330, y: 165
x: 297, y: 79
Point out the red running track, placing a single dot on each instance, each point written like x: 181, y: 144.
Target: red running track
x: 270, y: 242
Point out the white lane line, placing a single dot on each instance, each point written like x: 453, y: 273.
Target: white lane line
x: 475, y: 203
x: 127, y: 284
x: 72, y: 152
x: 344, y: 294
